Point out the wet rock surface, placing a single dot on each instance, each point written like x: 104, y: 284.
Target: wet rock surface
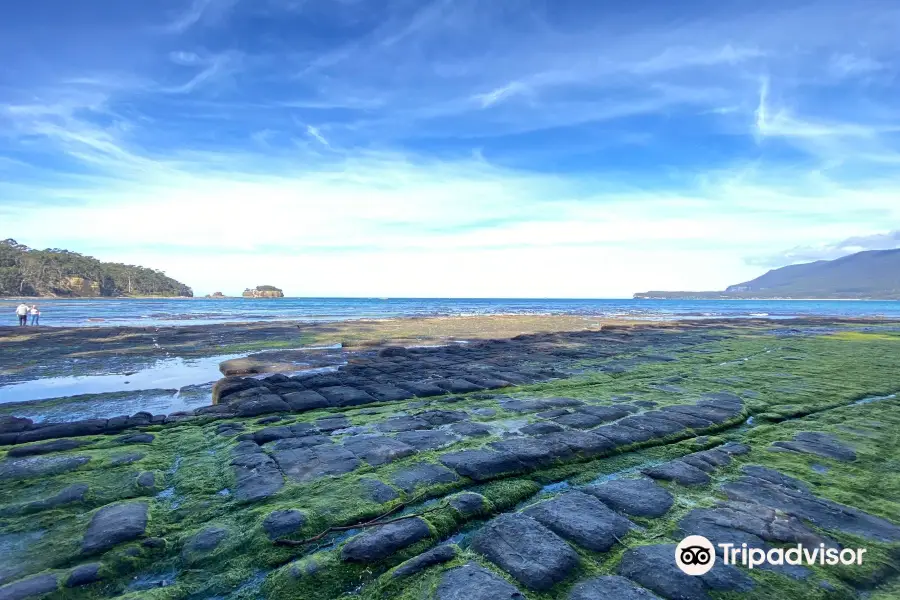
x: 306, y: 464
x: 775, y: 490
x: 271, y: 434
x: 126, y: 459
x: 611, y: 586
x: 39, y: 466
x: 203, y: 543
x: 68, y: 495
x: 281, y: 523
x: 820, y: 444
x: 342, y: 395
x: 527, y: 550
x: 436, y: 418
x: 582, y: 519
x: 146, y: 480
x: 137, y: 438
x: 385, y: 540
x: 654, y: 568
x: 469, y: 504
x: 470, y: 429
x: 541, y: 428
x: 114, y: 524
x: 378, y: 449
x: 427, y: 440
x: 45, y: 447
x: 535, y: 452
x: 405, y: 423
x: 639, y: 497
x: 378, y: 491
x: 83, y: 575
x: 304, y: 400
x: 435, y: 556
x: 32, y: 587
x: 472, y: 582
x: 752, y: 525
x: 333, y: 423
x: 482, y: 465
x: 423, y: 474
x: 256, y: 476
x: 678, y: 471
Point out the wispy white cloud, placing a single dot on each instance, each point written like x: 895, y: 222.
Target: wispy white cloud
x: 853, y: 142
x: 433, y: 12
x: 212, y: 69
x: 501, y: 93
x: 603, y: 61
x: 848, y: 65
x: 263, y: 137
x: 317, y: 135
x: 196, y: 12
x: 782, y: 123
x: 830, y: 251
x: 186, y: 59
x: 678, y: 58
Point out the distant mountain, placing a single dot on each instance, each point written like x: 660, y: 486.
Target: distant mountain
x: 873, y: 275
x: 54, y: 272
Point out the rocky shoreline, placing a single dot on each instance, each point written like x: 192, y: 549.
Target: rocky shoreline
x: 41, y: 351
x: 546, y: 465
x: 32, y: 351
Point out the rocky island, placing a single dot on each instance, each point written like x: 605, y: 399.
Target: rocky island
x: 263, y: 291
x: 548, y: 465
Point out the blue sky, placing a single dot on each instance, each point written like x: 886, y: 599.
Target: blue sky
x: 533, y: 148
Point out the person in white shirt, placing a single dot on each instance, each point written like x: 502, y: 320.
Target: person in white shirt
x: 35, y: 315
x: 22, y: 312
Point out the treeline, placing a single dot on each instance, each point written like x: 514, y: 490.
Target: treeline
x: 56, y: 272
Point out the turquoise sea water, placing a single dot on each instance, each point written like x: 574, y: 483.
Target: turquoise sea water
x: 163, y: 312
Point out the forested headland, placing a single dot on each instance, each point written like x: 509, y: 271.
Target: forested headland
x: 55, y: 272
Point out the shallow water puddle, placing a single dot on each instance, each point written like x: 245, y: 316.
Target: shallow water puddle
x: 149, y: 581
x: 252, y: 586
x: 169, y: 373
x: 179, y: 374
x: 875, y: 399
x: 105, y: 406
x: 168, y: 495
x: 627, y: 472
x: 555, y: 487
x: 506, y: 426
x: 330, y: 542
x: 13, y: 549
x: 463, y: 536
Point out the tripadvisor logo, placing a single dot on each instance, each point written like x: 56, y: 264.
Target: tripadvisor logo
x: 696, y: 555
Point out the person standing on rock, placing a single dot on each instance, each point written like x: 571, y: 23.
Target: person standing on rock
x: 35, y: 315
x: 22, y: 313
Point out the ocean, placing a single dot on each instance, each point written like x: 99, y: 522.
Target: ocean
x: 105, y: 312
